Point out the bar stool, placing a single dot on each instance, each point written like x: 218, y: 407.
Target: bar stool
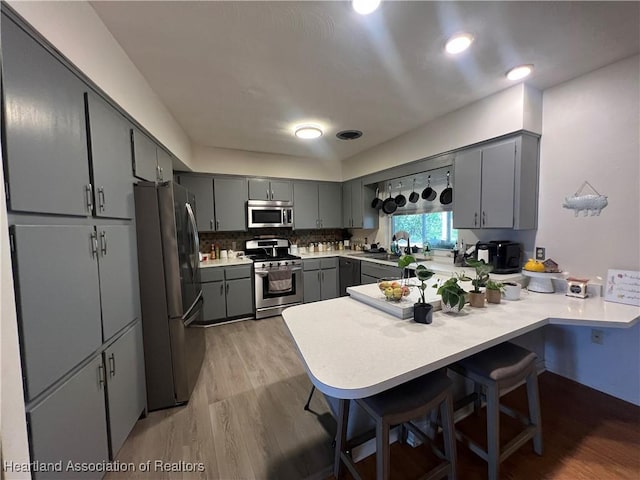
x: 498, y: 369
x: 397, y: 406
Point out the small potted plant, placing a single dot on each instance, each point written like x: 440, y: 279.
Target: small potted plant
x: 494, y: 291
x: 477, y: 296
x: 423, y: 311
x: 453, y: 295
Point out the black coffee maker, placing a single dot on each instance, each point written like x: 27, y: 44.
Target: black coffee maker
x: 504, y: 255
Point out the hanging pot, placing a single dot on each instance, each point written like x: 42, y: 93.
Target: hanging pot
x: 401, y: 200
x: 414, y: 197
x: 377, y: 202
x: 429, y: 193
x: 389, y: 206
x: 446, y: 197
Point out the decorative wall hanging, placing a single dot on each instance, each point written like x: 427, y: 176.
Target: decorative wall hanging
x: 591, y: 203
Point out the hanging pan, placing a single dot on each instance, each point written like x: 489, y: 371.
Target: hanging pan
x: 389, y: 206
x: 414, y: 197
x: 401, y: 200
x: 377, y: 202
x: 429, y: 193
x: 446, y: 197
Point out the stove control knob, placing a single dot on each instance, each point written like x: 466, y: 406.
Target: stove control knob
x: 286, y: 263
x: 271, y: 264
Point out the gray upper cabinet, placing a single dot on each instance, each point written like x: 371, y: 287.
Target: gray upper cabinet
x: 202, y: 188
x: 317, y: 205
x: 145, y: 157
x: 124, y: 363
x: 119, y: 289
x: 356, y: 206
x: 230, y: 200
x: 110, y: 137
x: 496, y: 186
x: 59, y: 301
x: 45, y: 134
x: 165, y: 166
x: 266, y: 189
x: 70, y: 425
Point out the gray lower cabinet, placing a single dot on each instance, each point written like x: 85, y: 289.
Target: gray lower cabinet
x: 111, y: 159
x: 320, y: 279
x: 227, y: 293
x: 317, y: 205
x: 70, y: 425
x: 371, y: 272
x: 230, y: 201
x: 145, y: 157
x: 267, y: 189
x: 44, y: 125
x: 202, y: 187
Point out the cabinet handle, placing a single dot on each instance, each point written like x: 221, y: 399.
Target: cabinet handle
x: 158, y: 174
x: 217, y: 224
x: 227, y: 289
x: 318, y: 275
x: 88, y: 190
x: 103, y: 243
x: 94, y: 244
x: 101, y: 375
x: 267, y: 191
x: 221, y: 289
x: 475, y: 219
x: 211, y: 224
x: 112, y: 365
x: 101, y: 200
x: 484, y: 218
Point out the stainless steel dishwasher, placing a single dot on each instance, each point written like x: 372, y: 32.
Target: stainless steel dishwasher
x: 349, y: 274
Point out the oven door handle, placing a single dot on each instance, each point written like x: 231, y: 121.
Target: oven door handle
x: 264, y: 273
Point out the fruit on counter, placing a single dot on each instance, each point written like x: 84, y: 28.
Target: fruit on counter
x: 397, y: 292
x: 534, y: 266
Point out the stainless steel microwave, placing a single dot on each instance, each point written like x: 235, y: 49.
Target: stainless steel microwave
x: 269, y: 213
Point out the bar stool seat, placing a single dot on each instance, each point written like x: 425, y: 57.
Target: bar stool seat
x: 497, y: 369
x: 400, y: 405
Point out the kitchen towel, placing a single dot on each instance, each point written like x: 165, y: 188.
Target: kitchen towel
x: 280, y: 281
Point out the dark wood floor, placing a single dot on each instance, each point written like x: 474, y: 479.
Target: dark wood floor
x: 245, y: 421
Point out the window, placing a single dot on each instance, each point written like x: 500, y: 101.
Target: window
x: 433, y: 228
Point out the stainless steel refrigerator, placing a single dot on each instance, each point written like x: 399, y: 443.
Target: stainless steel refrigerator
x: 170, y: 291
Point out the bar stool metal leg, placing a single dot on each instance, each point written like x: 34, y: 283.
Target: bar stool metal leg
x: 306, y: 406
x: 493, y: 431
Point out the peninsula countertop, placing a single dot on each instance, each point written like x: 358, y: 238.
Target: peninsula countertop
x: 352, y: 350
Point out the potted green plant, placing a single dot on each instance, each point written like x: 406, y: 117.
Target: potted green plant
x: 422, y: 311
x: 453, y: 295
x: 494, y: 291
x: 482, y: 269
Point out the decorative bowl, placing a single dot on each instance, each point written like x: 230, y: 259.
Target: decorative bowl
x: 393, y: 289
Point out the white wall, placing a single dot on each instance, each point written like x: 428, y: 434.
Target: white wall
x: 590, y: 132
x: 75, y: 29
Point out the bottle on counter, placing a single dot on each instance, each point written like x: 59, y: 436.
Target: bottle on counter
x: 213, y: 252
x: 217, y: 251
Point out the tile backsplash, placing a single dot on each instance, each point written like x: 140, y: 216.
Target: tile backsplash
x: 300, y: 237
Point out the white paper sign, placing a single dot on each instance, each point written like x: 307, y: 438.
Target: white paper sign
x: 623, y: 286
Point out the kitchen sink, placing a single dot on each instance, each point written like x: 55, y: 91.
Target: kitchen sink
x: 382, y: 256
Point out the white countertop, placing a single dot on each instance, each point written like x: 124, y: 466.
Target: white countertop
x: 352, y: 350
x: 226, y: 262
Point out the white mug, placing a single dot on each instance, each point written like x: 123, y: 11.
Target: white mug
x: 512, y: 292
x: 224, y: 254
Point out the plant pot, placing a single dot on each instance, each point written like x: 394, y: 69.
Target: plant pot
x: 477, y: 299
x: 493, y: 296
x: 446, y: 308
x: 422, y: 312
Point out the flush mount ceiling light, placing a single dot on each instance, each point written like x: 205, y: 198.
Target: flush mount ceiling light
x: 458, y: 43
x: 519, y: 72
x: 308, y: 132
x: 365, y: 7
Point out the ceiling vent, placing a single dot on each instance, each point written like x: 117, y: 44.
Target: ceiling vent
x: 349, y: 134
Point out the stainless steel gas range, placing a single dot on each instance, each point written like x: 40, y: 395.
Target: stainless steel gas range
x: 278, y: 276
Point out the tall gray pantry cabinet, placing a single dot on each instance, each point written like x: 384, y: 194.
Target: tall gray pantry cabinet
x: 67, y: 156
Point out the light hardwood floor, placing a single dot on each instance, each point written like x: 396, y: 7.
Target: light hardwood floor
x: 245, y: 421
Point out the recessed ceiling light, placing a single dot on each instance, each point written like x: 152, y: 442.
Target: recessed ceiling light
x: 308, y: 132
x: 349, y: 134
x: 519, y: 72
x: 458, y: 43
x: 365, y: 7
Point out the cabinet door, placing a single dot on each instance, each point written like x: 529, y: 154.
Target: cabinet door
x: 357, y: 204
x: 45, y: 134
x: 119, y: 287
x: 329, y: 283
x: 230, y: 202
x: 215, y: 305
x: 259, y: 189
x: 145, y: 159
x: 240, y: 297
x: 126, y: 393
x: 311, y: 285
x: 367, y: 279
x: 110, y: 135
x: 165, y: 166
x: 281, y: 190
x: 330, y: 205
x: 59, y: 302
x: 498, y: 174
x: 347, y: 217
x: 466, y: 189
x: 305, y: 205
x: 202, y: 188
x: 70, y: 425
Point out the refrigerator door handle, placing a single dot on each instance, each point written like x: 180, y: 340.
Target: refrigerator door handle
x: 191, y: 309
x: 196, y: 240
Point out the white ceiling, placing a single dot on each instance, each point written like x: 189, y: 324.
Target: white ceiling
x: 240, y: 74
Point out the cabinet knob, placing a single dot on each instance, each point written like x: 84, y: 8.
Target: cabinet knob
x: 484, y: 218
x: 475, y: 219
